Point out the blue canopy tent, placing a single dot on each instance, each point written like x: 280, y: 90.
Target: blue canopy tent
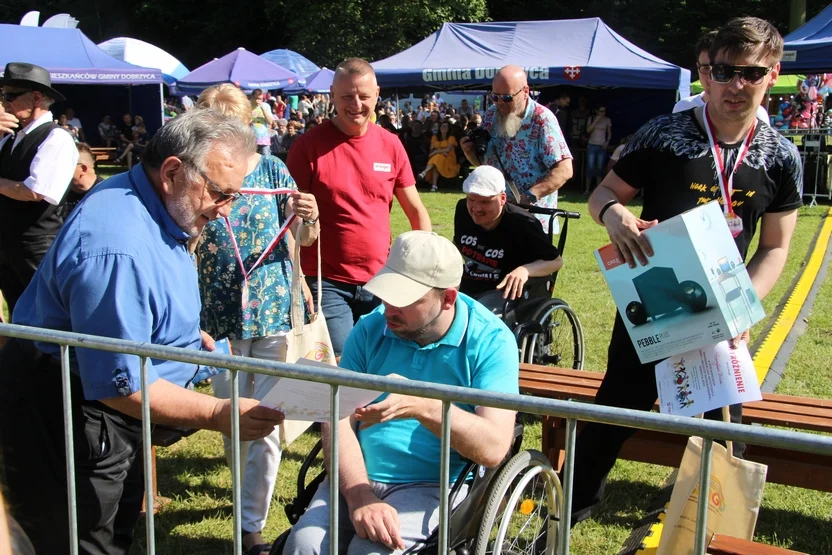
x: 241, y: 67
x: 579, y: 52
x: 316, y: 83
x: 292, y: 61
x: 74, y: 63
x: 808, y: 48
x: 143, y: 54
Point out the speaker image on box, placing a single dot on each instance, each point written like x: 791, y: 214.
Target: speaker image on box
x: 660, y: 294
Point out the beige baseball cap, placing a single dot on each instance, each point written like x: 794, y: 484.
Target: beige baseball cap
x: 418, y: 262
x: 485, y: 181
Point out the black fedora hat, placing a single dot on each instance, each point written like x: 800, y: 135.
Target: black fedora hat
x: 29, y: 76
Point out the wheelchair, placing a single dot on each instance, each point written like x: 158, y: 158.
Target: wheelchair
x: 547, y: 329
x: 513, y: 509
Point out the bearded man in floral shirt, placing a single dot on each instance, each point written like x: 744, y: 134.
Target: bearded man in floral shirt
x: 527, y: 144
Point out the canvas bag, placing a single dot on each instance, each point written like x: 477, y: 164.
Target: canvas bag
x: 736, y: 492
x: 305, y: 340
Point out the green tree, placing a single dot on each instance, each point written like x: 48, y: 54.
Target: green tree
x: 332, y: 30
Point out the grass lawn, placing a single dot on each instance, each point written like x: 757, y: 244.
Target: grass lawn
x: 194, y: 474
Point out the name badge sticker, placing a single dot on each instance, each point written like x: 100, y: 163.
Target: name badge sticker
x: 379, y: 167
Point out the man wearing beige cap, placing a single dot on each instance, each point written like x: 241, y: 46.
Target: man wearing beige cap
x: 389, y: 468
x: 502, y: 244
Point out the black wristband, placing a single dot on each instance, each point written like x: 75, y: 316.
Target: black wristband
x: 604, y: 210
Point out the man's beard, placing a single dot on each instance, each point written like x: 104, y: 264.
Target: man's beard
x: 183, y: 215
x: 509, y: 125
x: 424, y: 334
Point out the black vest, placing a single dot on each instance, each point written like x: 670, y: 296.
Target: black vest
x: 23, y: 218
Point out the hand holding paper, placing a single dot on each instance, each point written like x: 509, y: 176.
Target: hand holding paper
x: 393, y: 407
x: 310, y: 401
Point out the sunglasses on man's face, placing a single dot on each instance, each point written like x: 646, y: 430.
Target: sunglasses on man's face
x: 12, y: 96
x: 724, y: 73
x: 504, y: 97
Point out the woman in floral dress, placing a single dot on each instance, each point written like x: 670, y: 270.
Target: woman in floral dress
x: 246, y: 295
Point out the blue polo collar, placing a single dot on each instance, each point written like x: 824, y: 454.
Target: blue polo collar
x: 151, y: 200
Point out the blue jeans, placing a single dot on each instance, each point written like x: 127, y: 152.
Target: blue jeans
x: 342, y: 305
x: 596, y: 157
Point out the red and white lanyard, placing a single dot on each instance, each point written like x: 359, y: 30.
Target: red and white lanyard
x: 269, y: 248
x: 726, y: 181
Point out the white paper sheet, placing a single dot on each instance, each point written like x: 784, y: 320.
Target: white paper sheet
x: 706, y: 379
x: 309, y: 401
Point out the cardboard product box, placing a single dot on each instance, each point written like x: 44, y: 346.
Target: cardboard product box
x: 694, y: 291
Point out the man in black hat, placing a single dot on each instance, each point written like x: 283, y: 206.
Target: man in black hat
x: 36, y: 167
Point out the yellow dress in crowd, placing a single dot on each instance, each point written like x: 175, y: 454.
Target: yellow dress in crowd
x: 446, y: 164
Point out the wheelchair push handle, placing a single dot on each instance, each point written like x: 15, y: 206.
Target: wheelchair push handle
x: 557, y: 212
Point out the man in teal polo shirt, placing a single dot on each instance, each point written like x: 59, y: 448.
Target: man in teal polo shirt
x: 389, y: 469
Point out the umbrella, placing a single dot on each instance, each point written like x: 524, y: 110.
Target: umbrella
x: 144, y: 54
x: 291, y: 60
x: 242, y: 68
x: 316, y: 83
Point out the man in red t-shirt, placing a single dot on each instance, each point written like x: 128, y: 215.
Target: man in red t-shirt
x: 354, y: 168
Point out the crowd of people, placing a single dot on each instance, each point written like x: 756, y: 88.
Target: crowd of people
x: 194, y: 244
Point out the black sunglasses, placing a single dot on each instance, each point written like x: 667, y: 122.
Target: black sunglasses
x: 504, y: 97
x: 724, y: 73
x: 225, y: 198
x: 12, y: 96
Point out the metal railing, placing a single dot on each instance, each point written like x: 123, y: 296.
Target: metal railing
x: 571, y: 411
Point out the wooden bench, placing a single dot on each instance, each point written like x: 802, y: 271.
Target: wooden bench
x: 102, y: 153
x: 726, y: 545
x: 792, y: 468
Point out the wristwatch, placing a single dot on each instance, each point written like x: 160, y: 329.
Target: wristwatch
x: 531, y: 196
x: 310, y: 223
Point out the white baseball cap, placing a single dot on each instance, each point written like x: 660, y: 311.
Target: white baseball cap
x: 418, y: 262
x: 485, y: 181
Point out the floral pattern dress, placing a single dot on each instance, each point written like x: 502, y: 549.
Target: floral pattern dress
x: 255, y: 220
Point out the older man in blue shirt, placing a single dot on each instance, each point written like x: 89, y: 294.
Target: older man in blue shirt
x: 119, y: 268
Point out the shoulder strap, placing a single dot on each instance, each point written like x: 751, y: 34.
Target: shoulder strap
x: 511, y: 185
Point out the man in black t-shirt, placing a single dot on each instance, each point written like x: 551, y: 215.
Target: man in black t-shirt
x: 502, y: 245
x: 672, y: 161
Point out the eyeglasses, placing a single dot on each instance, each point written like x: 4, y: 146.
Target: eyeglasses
x: 12, y: 96
x: 225, y: 198
x: 724, y: 73
x: 704, y: 69
x: 504, y: 97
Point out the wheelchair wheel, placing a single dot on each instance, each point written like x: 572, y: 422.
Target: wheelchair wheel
x: 523, y: 509
x: 561, y: 341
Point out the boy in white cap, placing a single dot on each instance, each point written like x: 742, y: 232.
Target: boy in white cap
x: 502, y: 244
x: 389, y: 469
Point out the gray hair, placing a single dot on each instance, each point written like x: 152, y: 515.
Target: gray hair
x: 191, y: 136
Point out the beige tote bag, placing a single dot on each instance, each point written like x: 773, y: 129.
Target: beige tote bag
x: 734, y: 498
x: 305, y: 340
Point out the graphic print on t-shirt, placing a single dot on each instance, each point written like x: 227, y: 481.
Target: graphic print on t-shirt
x: 481, y: 263
x: 670, y: 160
